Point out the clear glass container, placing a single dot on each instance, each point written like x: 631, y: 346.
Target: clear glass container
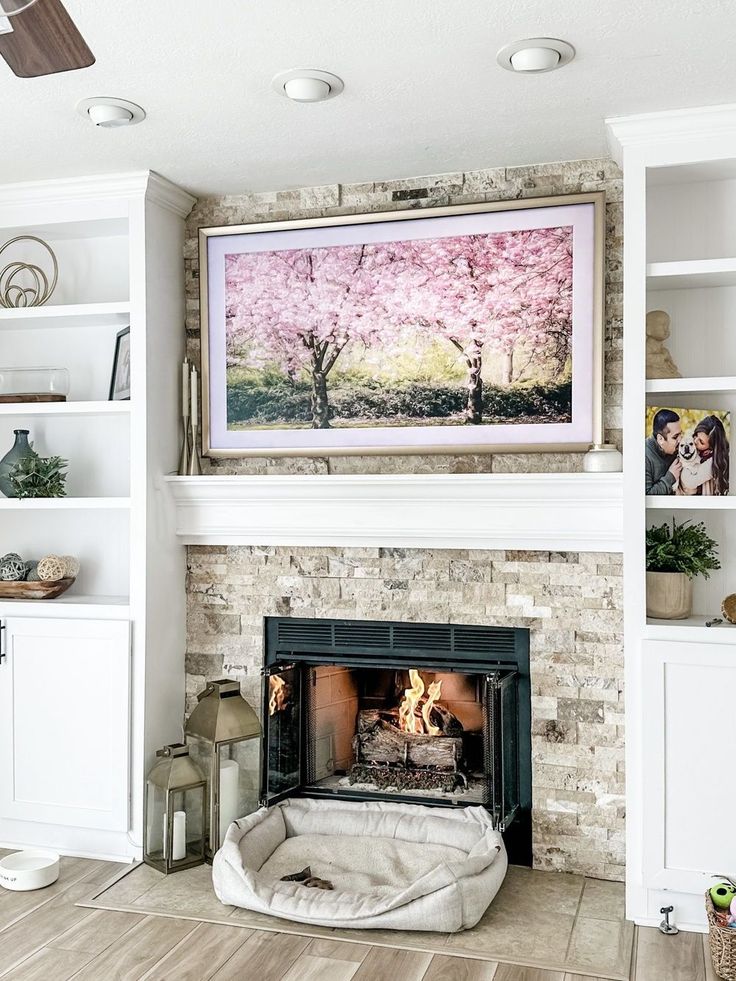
x: 34, y: 384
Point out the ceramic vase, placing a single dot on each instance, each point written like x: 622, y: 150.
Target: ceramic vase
x: 18, y: 451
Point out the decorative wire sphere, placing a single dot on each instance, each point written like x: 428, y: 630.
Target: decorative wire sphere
x: 15, y: 276
x: 51, y: 568
x: 9, y: 8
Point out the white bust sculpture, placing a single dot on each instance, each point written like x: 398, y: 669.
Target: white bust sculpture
x: 659, y: 359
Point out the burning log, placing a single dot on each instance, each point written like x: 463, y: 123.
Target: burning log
x: 380, y: 740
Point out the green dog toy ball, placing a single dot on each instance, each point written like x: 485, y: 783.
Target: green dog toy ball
x: 722, y: 895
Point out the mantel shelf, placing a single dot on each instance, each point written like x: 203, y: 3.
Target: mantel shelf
x: 573, y: 512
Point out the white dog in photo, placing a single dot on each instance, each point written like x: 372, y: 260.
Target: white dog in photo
x: 694, y: 471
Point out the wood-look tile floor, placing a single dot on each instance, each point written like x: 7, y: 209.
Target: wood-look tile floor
x: 45, y: 936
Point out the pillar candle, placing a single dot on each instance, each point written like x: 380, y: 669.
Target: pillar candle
x: 194, y: 397
x: 185, y: 389
x: 229, y: 788
x: 179, y: 842
x: 179, y: 836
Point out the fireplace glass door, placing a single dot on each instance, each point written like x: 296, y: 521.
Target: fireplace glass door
x: 426, y: 735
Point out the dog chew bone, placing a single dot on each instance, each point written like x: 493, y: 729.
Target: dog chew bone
x: 314, y: 882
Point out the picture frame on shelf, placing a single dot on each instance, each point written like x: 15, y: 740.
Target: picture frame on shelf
x: 687, y: 452
x: 120, y: 378
x: 466, y: 329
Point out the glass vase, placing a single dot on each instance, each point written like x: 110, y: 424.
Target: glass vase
x: 18, y: 451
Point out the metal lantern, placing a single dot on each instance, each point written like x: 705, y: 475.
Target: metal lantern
x: 175, y: 814
x: 224, y: 737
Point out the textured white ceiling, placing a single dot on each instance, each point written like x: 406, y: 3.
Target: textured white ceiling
x: 423, y: 93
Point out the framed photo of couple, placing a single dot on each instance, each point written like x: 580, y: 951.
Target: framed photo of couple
x: 687, y: 451
x: 455, y: 329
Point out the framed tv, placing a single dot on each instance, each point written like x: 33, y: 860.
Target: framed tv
x: 471, y: 329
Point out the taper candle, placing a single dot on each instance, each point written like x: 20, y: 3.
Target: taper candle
x: 195, y: 414
x: 185, y: 389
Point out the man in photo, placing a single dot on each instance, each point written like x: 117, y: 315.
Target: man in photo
x: 662, y: 467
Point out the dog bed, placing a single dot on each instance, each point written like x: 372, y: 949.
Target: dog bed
x: 392, y: 866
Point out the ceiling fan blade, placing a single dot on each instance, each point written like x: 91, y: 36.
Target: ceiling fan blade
x: 44, y: 40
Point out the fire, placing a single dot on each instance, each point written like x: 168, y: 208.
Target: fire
x: 414, y: 716
x: 276, y: 694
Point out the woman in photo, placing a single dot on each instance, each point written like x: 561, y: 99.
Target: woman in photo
x: 712, y: 444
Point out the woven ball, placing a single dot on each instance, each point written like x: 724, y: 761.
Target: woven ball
x: 9, y: 555
x: 728, y: 608
x: 72, y: 566
x: 51, y: 568
x: 12, y: 570
x: 32, y: 572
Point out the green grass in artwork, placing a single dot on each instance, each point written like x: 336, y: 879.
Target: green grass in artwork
x: 284, y: 405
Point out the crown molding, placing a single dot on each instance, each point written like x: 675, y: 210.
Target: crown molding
x: 543, y: 512
x: 144, y: 184
x: 169, y: 196
x: 652, y: 128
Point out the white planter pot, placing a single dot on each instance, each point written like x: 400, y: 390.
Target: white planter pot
x: 669, y: 595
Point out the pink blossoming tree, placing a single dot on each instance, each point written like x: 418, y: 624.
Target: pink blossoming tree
x: 480, y: 291
x: 300, y: 308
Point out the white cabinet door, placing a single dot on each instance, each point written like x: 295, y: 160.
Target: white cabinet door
x: 64, y: 722
x: 688, y: 700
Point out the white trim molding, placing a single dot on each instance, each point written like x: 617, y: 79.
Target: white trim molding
x: 560, y: 512
x: 670, y: 126
x: 75, y: 189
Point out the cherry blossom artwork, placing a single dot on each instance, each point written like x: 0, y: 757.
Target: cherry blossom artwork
x: 415, y: 335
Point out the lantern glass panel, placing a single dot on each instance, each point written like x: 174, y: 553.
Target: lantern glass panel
x: 239, y: 775
x: 187, y: 811
x: 155, y: 815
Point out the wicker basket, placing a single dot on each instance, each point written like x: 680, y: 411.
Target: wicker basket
x: 722, y: 941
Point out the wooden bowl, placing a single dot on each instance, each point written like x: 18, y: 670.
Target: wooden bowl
x: 34, y: 590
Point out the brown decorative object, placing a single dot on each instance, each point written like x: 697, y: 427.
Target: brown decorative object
x: 728, y: 608
x: 659, y: 359
x: 722, y: 940
x: 33, y: 397
x: 669, y: 595
x: 34, y: 590
x: 44, y: 40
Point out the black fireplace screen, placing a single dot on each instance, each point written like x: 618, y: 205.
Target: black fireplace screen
x: 431, y: 713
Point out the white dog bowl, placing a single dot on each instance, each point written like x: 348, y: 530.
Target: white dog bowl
x: 31, y: 869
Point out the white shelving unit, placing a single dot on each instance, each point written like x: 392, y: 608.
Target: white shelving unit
x: 118, y: 242
x: 679, y: 248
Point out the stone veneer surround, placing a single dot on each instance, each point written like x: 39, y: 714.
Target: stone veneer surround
x: 571, y: 602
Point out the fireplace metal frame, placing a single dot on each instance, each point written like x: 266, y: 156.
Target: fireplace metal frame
x: 494, y: 653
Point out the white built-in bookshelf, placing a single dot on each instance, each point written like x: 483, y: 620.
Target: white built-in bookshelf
x: 118, y: 241
x: 679, y: 256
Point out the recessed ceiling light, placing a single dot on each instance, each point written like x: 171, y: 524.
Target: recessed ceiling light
x: 535, y: 55
x: 307, y: 85
x: 110, y: 113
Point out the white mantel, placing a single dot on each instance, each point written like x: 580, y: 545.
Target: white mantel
x: 562, y: 512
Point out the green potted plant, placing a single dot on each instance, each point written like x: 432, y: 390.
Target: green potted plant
x: 674, y: 557
x: 39, y: 476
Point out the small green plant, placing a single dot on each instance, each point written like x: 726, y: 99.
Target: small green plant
x: 39, y: 476
x: 685, y: 548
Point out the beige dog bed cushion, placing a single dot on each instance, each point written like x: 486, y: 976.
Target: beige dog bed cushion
x: 392, y: 866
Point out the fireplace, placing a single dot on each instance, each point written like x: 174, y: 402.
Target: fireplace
x: 436, y: 714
